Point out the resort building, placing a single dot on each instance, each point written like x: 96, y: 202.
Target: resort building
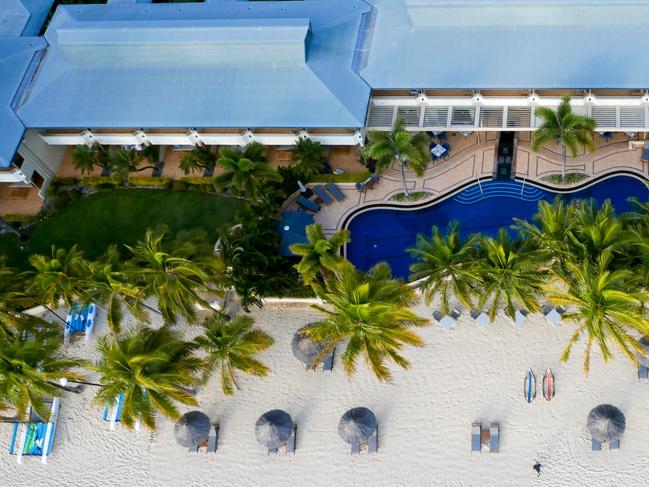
x: 231, y: 72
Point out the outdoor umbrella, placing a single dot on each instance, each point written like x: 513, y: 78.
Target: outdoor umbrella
x: 192, y: 429
x: 606, y: 423
x: 357, y: 425
x: 643, y: 359
x: 304, y: 348
x: 273, y: 428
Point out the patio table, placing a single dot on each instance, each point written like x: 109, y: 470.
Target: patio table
x: 438, y: 151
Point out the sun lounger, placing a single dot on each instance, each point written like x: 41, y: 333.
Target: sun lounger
x: 552, y: 314
x: 35, y: 437
x: 356, y: 448
x: 212, y: 439
x: 329, y: 361
x: 476, y: 434
x: 193, y: 449
x: 308, y: 204
x: 114, y: 413
x: 480, y: 317
x: 323, y: 195
x: 645, y: 152
x: 373, y: 441
x: 334, y: 190
x: 614, y: 445
x: 520, y: 316
x: 494, y: 437
x: 290, y: 445
x: 596, y: 445
x: 78, y: 321
x: 643, y: 372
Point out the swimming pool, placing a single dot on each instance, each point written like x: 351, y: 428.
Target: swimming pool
x: 383, y: 234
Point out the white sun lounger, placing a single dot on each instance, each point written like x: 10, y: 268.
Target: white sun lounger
x: 290, y: 445
x: 494, y: 437
x: 596, y: 445
x: 614, y: 445
x: 373, y: 441
x: 212, y: 439
x: 476, y: 433
x: 643, y: 372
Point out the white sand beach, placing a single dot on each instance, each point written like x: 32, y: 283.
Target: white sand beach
x: 424, y: 418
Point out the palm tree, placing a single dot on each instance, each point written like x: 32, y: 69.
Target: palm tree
x: 246, y: 171
x: 31, y: 365
x: 175, y: 272
x: 200, y: 158
x: 109, y: 283
x: 400, y: 145
x: 125, y: 161
x: 511, y: 274
x: 605, y: 304
x: 371, y: 310
x: 320, y: 255
x: 445, y: 267
x: 59, y: 278
x: 152, y: 369
x: 85, y: 159
x: 597, y: 229
x: 308, y: 157
x: 565, y: 128
x: 14, y: 300
x: 230, y: 346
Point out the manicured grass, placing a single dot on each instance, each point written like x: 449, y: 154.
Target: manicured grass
x: 122, y: 217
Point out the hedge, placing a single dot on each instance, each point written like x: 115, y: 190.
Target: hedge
x: 351, y: 177
x: 101, y: 182
x: 149, y: 182
x: 19, y: 218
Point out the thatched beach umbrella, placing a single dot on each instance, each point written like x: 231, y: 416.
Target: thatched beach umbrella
x: 606, y: 423
x: 192, y: 429
x: 304, y: 348
x: 643, y: 359
x: 357, y: 425
x: 273, y: 428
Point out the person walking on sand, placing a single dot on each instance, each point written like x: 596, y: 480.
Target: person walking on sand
x: 537, y: 468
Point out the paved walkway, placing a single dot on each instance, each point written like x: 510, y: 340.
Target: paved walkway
x: 473, y: 158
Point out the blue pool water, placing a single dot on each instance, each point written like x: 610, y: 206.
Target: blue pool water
x: 385, y: 234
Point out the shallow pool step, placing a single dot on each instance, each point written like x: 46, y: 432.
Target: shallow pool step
x: 494, y: 189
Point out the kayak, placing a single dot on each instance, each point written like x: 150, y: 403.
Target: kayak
x: 529, y: 386
x: 548, y: 385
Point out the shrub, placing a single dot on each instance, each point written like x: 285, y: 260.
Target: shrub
x: 19, y: 219
x: 100, y: 183
x: 67, y: 181
x: 149, y: 182
x: 570, y: 178
x: 179, y: 185
x: 417, y: 195
x: 200, y: 184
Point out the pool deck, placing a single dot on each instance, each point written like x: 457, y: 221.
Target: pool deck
x: 472, y: 158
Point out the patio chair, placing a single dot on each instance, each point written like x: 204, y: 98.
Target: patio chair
x: 335, y: 191
x: 614, y: 445
x: 645, y: 152
x: 308, y: 204
x: 476, y: 435
x: 290, y: 445
x: 328, y: 364
x: 373, y: 441
x: 596, y: 445
x: 212, y: 439
x: 494, y: 437
x: 323, y: 195
x: 643, y: 372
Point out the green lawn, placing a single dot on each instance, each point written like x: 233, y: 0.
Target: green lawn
x: 122, y: 217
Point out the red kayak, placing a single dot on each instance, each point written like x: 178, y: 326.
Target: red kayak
x: 548, y: 385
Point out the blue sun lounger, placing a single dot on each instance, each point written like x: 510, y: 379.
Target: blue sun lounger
x: 308, y: 204
x: 476, y: 436
x: 35, y: 437
x: 114, y: 412
x: 334, y: 190
x: 596, y: 445
x: 494, y: 437
x: 643, y: 372
x: 323, y: 195
x: 645, y: 152
x: 80, y: 321
x: 373, y: 441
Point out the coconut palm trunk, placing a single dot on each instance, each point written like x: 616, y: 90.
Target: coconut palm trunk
x: 403, y: 175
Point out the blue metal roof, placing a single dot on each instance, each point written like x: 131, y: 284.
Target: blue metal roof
x: 220, y: 64
x: 509, y: 44
x: 23, y: 17
x: 16, y: 56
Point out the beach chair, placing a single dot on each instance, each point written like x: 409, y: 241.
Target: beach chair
x: 373, y: 441
x: 520, y: 316
x: 596, y: 445
x: 35, y: 437
x: 308, y: 204
x: 114, y: 413
x: 480, y: 317
x: 643, y: 372
x: 290, y: 445
x: 334, y: 190
x: 328, y: 364
x: 476, y: 436
x: 645, y: 152
x: 552, y: 314
x: 494, y: 437
x: 614, y: 445
x: 323, y: 195
x: 445, y: 321
x: 356, y: 448
x: 80, y: 321
x: 212, y: 439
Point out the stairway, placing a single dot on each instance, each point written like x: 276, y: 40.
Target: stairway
x: 499, y: 189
